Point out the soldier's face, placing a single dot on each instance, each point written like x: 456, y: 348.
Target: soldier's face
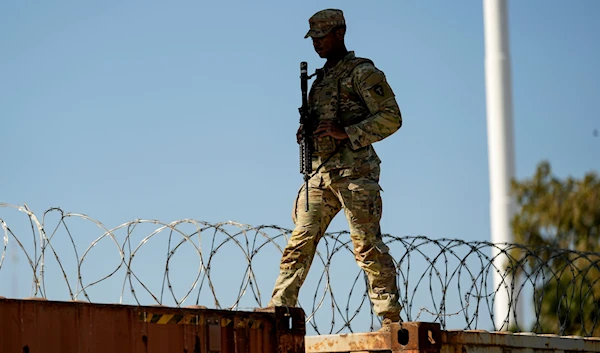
x: 327, y: 45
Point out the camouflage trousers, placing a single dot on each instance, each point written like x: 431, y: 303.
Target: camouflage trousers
x: 361, y: 200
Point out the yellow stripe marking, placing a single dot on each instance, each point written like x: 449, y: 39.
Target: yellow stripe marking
x: 165, y: 318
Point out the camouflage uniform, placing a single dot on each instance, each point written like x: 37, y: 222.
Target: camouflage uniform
x: 356, y: 95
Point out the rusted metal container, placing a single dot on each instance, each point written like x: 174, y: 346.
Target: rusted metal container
x: 481, y: 341
x: 426, y: 337
x: 410, y: 337
x: 41, y: 326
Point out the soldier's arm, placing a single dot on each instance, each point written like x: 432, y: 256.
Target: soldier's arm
x: 384, y: 118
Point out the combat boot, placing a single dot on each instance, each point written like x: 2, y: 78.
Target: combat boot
x: 389, y: 319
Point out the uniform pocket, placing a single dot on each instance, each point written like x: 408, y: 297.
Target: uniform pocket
x: 364, y: 201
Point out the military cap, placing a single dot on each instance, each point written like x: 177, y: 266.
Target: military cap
x: 324, y: 21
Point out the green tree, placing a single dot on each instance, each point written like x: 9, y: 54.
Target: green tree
x: 560, y: 219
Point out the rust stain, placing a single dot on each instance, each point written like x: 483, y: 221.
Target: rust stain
x: 419, y: 337
x: 349, y: 342
x: 323, y: 346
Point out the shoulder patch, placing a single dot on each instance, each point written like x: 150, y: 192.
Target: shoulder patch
x: 381, y: 91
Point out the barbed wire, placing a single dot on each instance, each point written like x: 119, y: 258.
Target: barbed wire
x: 449, y: 281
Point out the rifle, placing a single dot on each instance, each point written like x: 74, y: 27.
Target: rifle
x: 305, y: 123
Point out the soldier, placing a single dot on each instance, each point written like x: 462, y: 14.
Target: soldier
x: 353, y: 107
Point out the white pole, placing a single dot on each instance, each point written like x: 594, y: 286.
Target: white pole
x: 500, y: 148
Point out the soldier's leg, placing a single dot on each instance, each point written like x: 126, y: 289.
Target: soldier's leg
x: 300, y: 250
x: 362, y: 206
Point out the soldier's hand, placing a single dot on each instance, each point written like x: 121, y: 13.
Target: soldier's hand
x: 329, y: 128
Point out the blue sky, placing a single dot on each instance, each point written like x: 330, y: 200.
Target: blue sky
x: 188, y: 109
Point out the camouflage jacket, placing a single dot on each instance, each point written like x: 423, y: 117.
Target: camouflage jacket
x: 356, y: 95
